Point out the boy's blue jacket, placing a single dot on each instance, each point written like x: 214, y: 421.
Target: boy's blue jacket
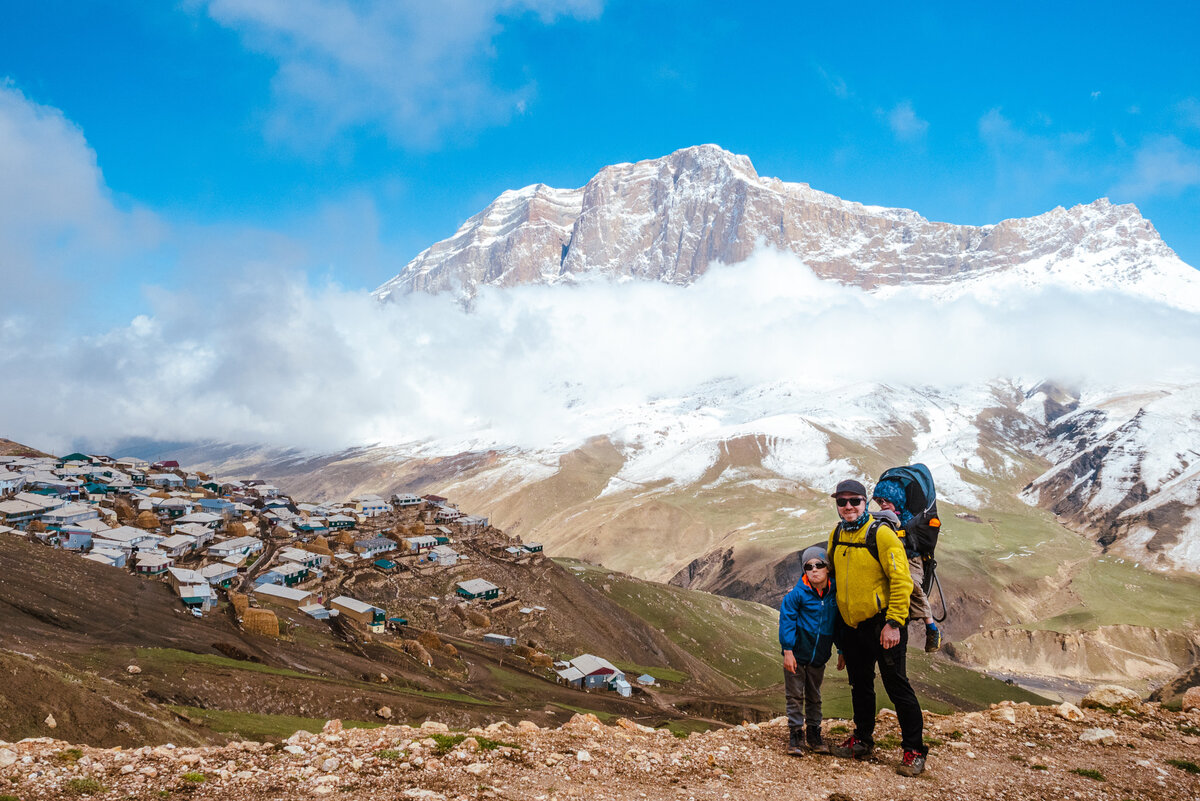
x: 806, y: 622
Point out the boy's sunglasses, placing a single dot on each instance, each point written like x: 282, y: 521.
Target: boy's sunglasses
x: 851, y: 501
x: 815, y: 566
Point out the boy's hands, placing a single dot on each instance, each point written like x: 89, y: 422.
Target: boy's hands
x: 841, y: 662
x: 789, y: 662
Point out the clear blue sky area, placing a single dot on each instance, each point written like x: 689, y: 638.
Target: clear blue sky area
x: 358, y: 133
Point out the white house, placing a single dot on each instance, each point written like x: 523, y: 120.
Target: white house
x: 444, y: 555
x: 246, y: 546
x: 177, y: 545
x: 206, y: 519
x: 587, y: 672
x: 286, y: 596
x: 371, y: 505
x: 219, y: 573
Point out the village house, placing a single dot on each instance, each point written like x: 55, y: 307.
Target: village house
x: 216, y: 506
x: 177, y: 545
x: 407, y: 499
x: 303, y: 557
x: 355, y: 609
x: 369, y: 549
x: 532, y: 547
x: 444, y: 555
x: 284, y: 596
x: 288, y: 574
x: 151, y: 564
x: 338, y: 522
x: 219, y: 574
x: 417, y: 544
x: 18, y: 513
x: 203, y: 535
x: 192, y: 588
x: 75, y: 540
x: 175, y: 508
x: 206, y: 519
x: 11, y: 482
x: 477, y: 588
x: 590, y: 672
x: 499, y: 639
x: 127, y: 539
x: 311, y: 527
x: 246, y: 546
x: 169, y: 480
x: 107, y: 556
x: 371, y: 505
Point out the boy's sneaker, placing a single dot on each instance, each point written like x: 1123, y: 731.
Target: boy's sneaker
x: 933, y: 638
x: 852, y: 747
x: 795, y: 741
x: 913, y: 764
x: 815, y: 743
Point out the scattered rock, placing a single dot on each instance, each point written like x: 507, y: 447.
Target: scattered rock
x: 1191, y: 699
x: 1068, y: 711
x: 529, y: 725
x: 1111, y: 696
x: 331, y: 764
x: 133, y: 670
x: 433, y: 725
x: 7, y: 758
x: 1005, y: 714
x: 294, y: 749
x: 51, y: 722
x: 1102, y: 736
x: 332, y: 727
x: 583, y: 756
x: 384, y: 712
x: 476, y: 768
x: 383, y: 678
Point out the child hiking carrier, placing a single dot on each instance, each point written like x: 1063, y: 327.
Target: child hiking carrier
x: 922, y: 530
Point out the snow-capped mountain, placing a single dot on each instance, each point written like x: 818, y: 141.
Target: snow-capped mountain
x: 669, y: 219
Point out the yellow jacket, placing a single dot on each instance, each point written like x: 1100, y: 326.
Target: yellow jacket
x: 866, y: 587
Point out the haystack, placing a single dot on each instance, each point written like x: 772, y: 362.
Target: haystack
x: 240, y: 602
x: 147, y: 520
x: 319, y: 545
x: 418, y: 528
x: 478, y: 619
x: 542, y: 660
x: 159, y: 494
x: 125, y: 511
x: 260, y: 621
x: 450, y: 651
x: 418, y: 652
x: 281, y: 533
x: 344, y: 538
x: 430, y: 640
x: 36, y: 527
x: 235, y: 529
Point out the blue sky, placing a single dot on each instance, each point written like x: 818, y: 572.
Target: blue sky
x: 350, y: 135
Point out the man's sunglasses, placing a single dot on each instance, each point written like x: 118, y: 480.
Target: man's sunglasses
x: 815, y: 566
x: 851, y: 501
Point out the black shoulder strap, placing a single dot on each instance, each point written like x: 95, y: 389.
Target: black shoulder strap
x: 870, y: 542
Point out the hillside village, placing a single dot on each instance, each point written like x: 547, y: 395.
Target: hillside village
x: 413, y: 571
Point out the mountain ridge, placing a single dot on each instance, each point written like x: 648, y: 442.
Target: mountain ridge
x: 669, y: 219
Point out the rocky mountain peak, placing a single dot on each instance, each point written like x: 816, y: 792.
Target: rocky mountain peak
x: 669, y: 219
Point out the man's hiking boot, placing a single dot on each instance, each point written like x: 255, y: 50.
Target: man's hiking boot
x: 933, y: 638
x: 814, y: 742
x: 852, y: 747
x: 795, y: 741
x: 913, y: 764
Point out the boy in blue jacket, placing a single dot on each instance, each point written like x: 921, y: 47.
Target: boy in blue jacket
x: 806, y: 620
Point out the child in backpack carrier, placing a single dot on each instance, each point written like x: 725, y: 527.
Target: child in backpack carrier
x: 890, y: 497
x: 806, y: 621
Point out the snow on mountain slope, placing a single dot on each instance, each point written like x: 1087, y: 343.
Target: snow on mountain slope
x: 1127, y: 468
x: 669, y: 219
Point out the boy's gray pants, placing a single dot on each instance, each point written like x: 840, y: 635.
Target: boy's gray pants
x: 803, y: 692
x: 918, y: 603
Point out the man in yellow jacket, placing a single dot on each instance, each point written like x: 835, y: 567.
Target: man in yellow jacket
x: 873, y: 588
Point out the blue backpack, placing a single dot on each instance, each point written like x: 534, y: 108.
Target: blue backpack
x: 920, y: 500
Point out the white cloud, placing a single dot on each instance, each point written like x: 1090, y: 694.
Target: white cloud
x: 1163, y: 165
x: 59, y: 226
x: 271, y: 360
x: 905, y: 123
x: 411, y: 69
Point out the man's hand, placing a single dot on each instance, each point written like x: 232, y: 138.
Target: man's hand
x: 789, y: 662
x: 889, y: 637
x: 841, y: 662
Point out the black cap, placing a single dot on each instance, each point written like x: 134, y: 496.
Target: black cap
x: 850, y: 485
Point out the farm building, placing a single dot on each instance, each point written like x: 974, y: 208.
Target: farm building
x: 423, y: 542
x: 499, y: 639
x: 358, y: 610
x: 284, y: 596
x: 589, y: 672
x: 477, y: 588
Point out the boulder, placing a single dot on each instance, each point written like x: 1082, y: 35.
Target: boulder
x: 384, y: 712
x: 1004, y: 714
x: 1191, y: 699
x: 1068, y: 711
x: 133, y: 670
x: 51, y: 722
x: 1111, y: 696
x: 1102, y: 736
x: 332, y: 726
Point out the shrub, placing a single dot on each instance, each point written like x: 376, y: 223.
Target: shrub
x: 1091, y: 774
x: 194, y: 777
x: 1184, y: 765
x: 69, y: 755
x: 83, y: 787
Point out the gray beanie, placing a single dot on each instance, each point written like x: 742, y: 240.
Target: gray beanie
x: 813, y: 552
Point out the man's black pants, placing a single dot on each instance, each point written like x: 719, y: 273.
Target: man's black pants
x: 862, y: 651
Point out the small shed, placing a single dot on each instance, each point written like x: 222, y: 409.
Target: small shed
x: 499, y: 639
x: 386, y: 565
x: 477, y: 588
x: 358, y: 610
x: 284, y: 596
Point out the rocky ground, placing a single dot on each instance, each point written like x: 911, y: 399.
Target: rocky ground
x: 1011, y: 751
